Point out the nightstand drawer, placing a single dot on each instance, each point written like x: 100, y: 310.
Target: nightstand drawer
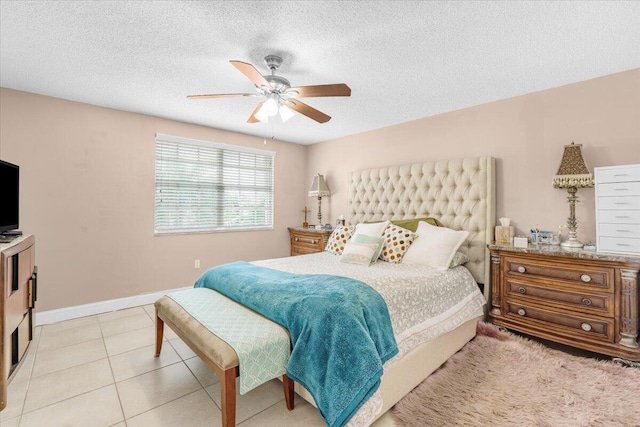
x: 307, y: 240
x: 583, y: 276
x: 598, y: 304
x: 568, y: 324
x: 303, y: 250
x: 310, y: 241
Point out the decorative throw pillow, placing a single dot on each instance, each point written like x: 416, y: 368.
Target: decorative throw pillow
x: 339, y: 239
x: 412, y: 224
x: 363, y: 238
x: 358, y: 253
x: 435, y: 246
x: 459, y: 259
x: 374, y: 229
x: 396, y: 243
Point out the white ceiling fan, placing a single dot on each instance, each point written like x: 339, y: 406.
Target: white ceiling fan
x: 281, y: 98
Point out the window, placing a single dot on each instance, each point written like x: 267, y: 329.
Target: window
x: 204, y: 186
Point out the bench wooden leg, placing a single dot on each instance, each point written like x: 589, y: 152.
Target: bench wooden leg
x: 228, y: 398
x: 159, y: 334
x: 287, y: 383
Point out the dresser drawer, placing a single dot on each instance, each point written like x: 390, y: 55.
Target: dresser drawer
x: 567, y: 323
x: 619, y: 216
x: 615, y: 189
x: 619, y: 245
x: 584, y: 277
x: 620, y: 230
x: 618, y: 174
x: 599, y: 304
x: 619, y: 202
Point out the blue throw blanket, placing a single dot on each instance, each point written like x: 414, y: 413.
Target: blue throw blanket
x: 340, y: 330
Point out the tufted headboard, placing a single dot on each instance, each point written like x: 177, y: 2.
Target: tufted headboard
x: 460, y: 193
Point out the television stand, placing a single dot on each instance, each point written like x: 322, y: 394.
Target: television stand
x: 8, y: 236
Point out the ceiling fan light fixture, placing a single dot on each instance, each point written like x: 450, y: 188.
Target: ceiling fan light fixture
x: 285, y: 113
x: 261, y: 115
x: 270, y: 107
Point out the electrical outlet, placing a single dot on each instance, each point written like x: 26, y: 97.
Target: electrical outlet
x: 196, y: 264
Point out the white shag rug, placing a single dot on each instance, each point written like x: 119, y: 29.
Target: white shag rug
x: 501, y: 379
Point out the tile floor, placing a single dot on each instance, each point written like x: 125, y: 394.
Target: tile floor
x: 99, y: 371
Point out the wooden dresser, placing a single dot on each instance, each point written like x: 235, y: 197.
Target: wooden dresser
x: 578, y: 298
x: 308, y: 240
x: 17, y: 313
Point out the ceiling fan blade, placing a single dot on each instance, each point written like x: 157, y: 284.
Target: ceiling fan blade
x: 253, y: 74
x: 221, y: 95
x: 308, y: 111
x: 339, y: 89
x: 253, y: 118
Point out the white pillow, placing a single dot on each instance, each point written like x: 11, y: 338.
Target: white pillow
x: 374, y: 229
x: 359, y: 253
x: 435, y: 246
x: 363, y: 238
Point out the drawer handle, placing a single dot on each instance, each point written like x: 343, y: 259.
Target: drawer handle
x: 621, y: 174
x: 314, y: 242
x: 521, y: 269
x: 623, y: 216
x: 622, y: 244
x: 521, y: 312
x: 522, y: 290
x: 623, y: 231
x: 295, y: 239
x: 621, y: 189
x: 621, y: 203
x: 295, y: 250
x: 586, y: 327
x: 586, y: 301
x: 585, y: 278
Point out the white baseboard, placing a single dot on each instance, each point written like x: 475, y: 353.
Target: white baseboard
x: 77, y: 311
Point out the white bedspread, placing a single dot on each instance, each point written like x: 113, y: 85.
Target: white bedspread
x: 423, y: 303
x: 418, y: 296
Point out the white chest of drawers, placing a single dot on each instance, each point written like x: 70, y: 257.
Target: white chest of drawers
x: 618, y: 209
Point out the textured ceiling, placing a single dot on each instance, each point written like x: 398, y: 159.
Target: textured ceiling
x: 402, y: 60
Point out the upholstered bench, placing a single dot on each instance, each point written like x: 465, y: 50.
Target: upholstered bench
x: 213, y: 351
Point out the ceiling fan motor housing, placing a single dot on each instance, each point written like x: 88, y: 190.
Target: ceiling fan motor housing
x: 279, y: 84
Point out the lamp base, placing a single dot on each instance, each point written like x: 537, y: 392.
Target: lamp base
x: 572, y: 244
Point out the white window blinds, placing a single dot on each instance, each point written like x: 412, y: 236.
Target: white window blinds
x: 203, y: 186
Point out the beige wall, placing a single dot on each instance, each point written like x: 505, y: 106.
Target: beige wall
x: 87, y: 178
x: 87, y: 193
x: 525, y: 134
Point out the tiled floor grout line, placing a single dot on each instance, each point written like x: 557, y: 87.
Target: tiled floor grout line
x: 33, y: 365
x: 113, y: 376
x: 166, y: 403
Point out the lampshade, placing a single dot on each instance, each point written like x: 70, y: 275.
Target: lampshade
x: 319, y: 187
x: 285, y: 113
x: 573, y: 171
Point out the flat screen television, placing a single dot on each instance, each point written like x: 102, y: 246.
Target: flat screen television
x: 9, y: 196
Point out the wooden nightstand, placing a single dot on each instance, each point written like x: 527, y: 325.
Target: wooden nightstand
x: 578, y: 298
x: 308, y: 240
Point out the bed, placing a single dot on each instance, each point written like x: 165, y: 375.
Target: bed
x: 461, y: 195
